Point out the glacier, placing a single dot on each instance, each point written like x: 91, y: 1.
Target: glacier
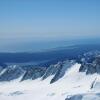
x: 72, y: 83
x: 67, y: 80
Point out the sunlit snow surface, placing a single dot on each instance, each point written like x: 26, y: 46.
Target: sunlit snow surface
x: 71, y: 83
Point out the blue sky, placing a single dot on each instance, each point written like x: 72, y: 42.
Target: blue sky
x: 27, y: 20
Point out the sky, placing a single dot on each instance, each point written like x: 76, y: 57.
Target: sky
x: 22, y: 21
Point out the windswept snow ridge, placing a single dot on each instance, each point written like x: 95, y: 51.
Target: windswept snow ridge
x: 67, y: 80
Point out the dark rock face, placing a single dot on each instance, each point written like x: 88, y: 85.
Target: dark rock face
x: 63, y: 66
x: 91, y: 96
x: 98, y: 68
x: 13, y: 72
x: 58, y: 70
x: 24, y: 72
x: 83, y: 68
x: 1, y: 68
x: 88, y: 68
x: 75, y: 97
x: 33, y: 73
x: 91, y: 67
x: 10, y: 73
x: 51, y: 71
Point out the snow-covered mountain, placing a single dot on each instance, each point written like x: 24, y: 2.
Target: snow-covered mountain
x: 66, y: 80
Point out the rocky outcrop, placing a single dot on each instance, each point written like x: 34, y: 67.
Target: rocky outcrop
x: 30, y: 72
x: 90, y: 63
x: 75, y: 97
x: 11, y: 73
x: 90, y: 67
x: 58, y: 70
x: 14, y: 72
x: 88, y: 96
x: 63, y: 66
x: 33, y: 73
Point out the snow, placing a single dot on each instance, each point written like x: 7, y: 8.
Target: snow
x: 3, y: 71
x: 72, y: 83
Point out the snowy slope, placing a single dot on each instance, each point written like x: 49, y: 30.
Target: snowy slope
x: 72, y: 83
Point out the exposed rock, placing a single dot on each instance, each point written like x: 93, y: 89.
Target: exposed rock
x: 75, y: 97
x: 91, y: 68
x: 10, y: 73
x: 62, y: 69
x: 14, y: 72
x: 91, y: 96
x: 52, y: 70
x: 33, y: 73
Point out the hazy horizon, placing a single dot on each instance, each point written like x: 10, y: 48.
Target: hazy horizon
x: 23, y: 23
